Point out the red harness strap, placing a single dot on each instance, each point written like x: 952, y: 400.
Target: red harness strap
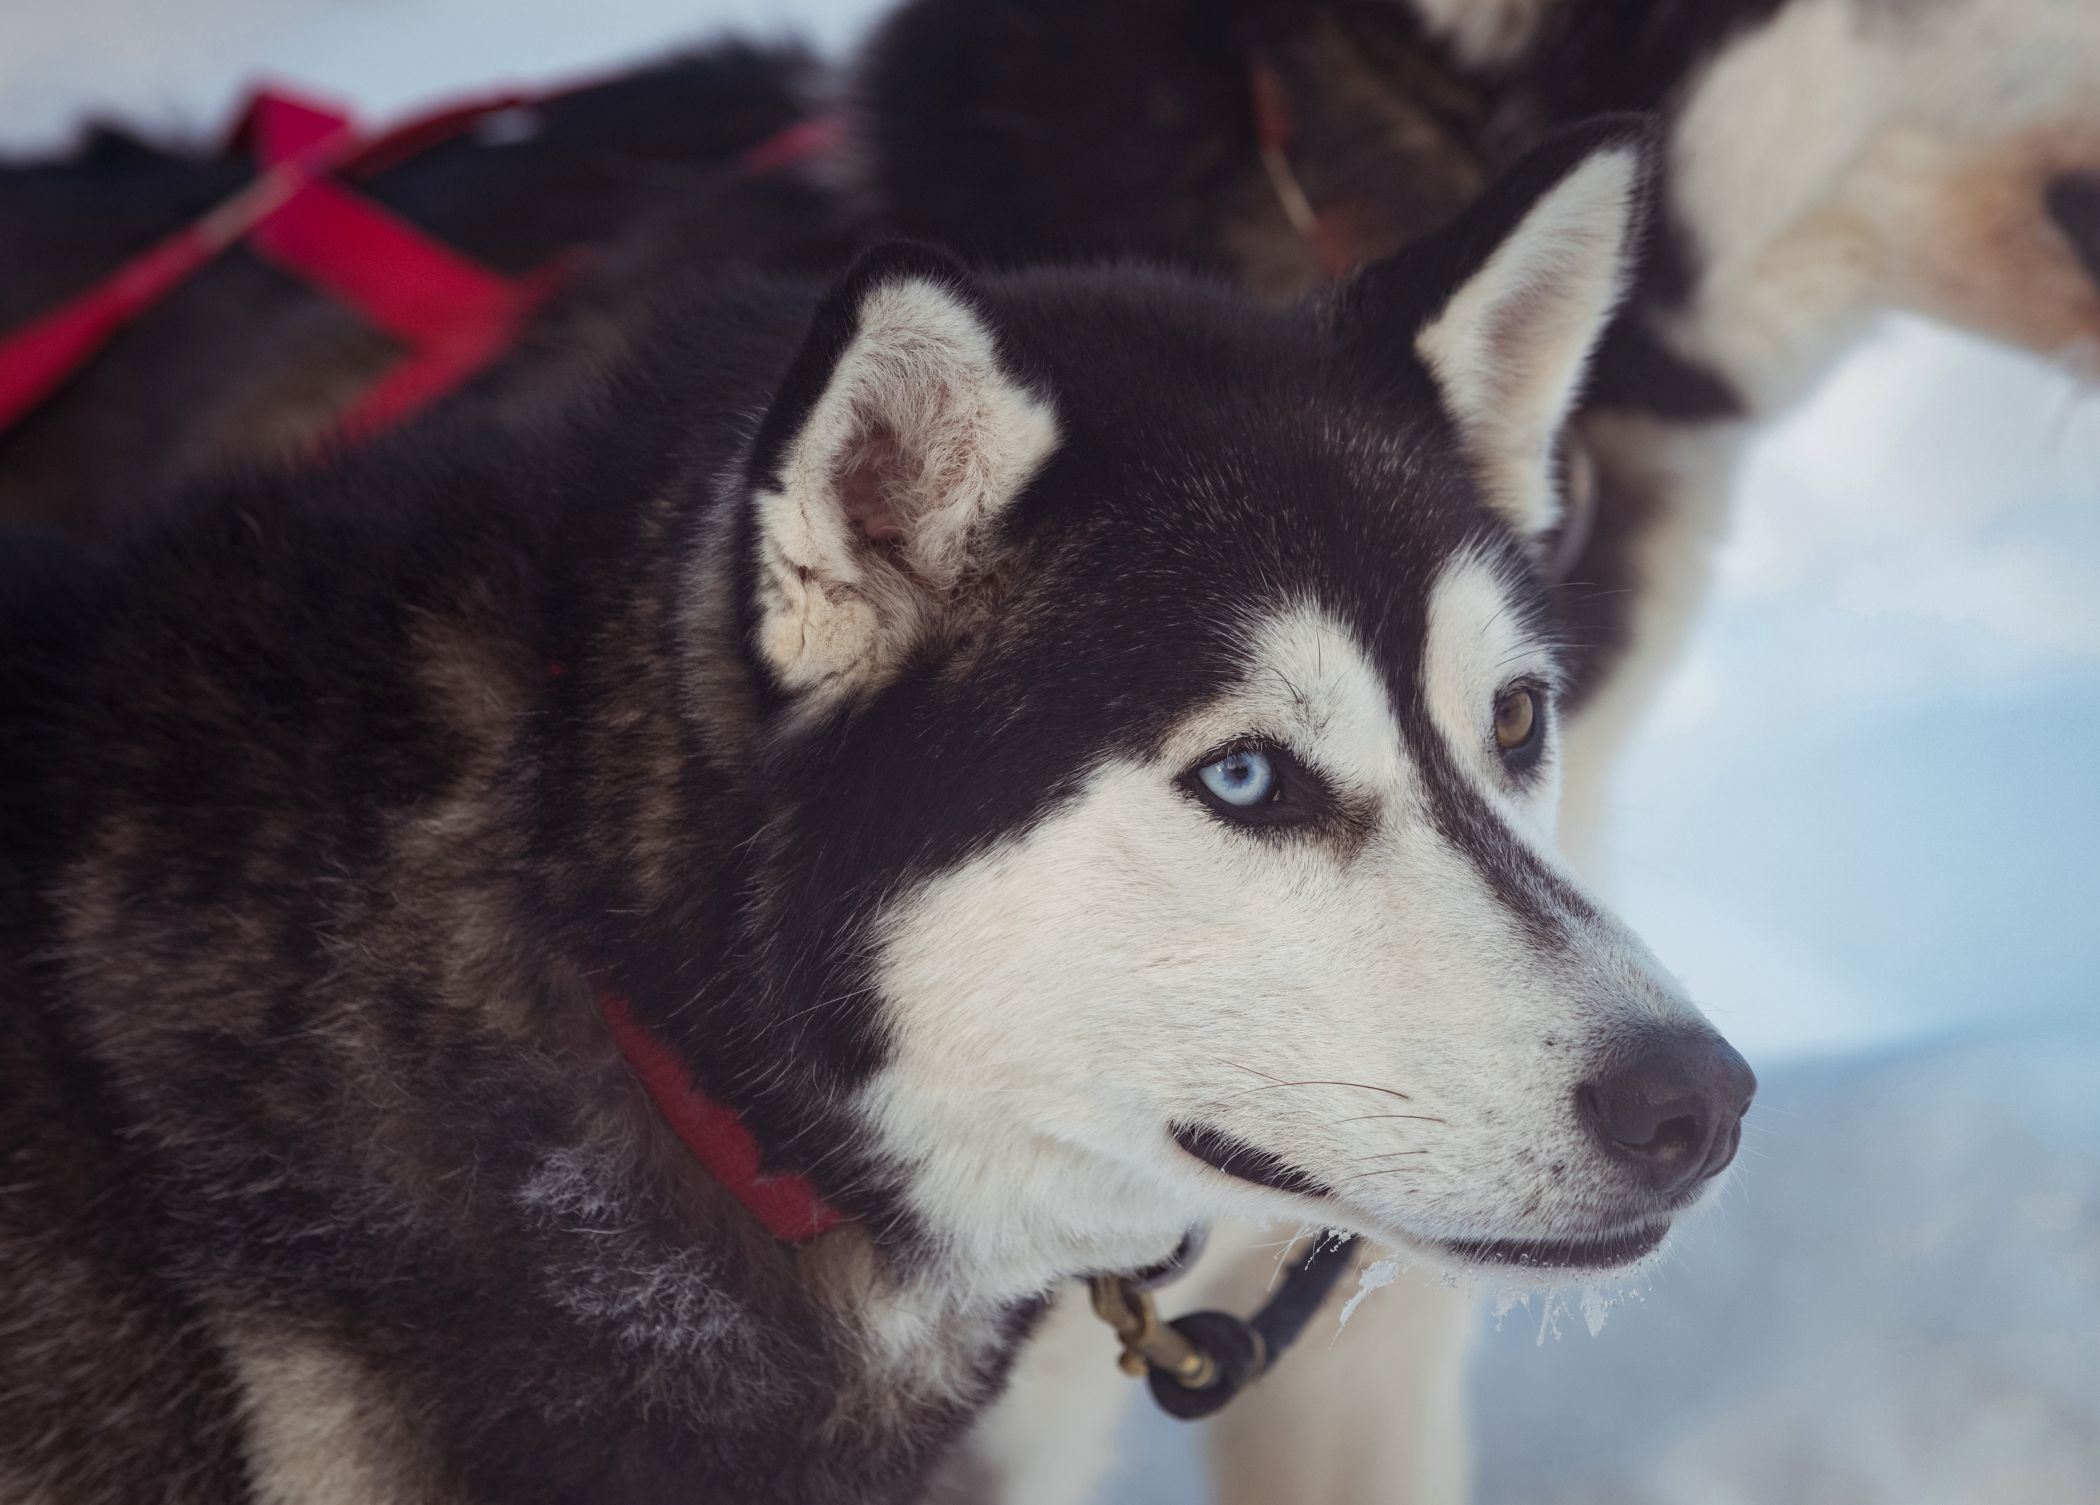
x: 791, y: 1209
x: 1273, y: 132
x: 41, y: 356
x: 455, y: 315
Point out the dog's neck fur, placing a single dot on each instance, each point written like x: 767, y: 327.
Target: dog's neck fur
x: 654, y: 888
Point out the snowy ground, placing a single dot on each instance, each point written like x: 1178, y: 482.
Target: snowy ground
x: 1862, y: 829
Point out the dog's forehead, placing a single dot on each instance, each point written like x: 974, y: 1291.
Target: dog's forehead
x: 1182, y: 559
x: 1193, y: 504
x: 1325, y: 676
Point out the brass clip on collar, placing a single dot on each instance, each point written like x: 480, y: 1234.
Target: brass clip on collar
x: 1148, y: 1343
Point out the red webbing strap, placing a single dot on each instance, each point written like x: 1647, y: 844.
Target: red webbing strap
x: 39, y: 357
x: 454, y: 314
x: 1273, y: 133
x: 791, y: 1209
x: 447, y: 360
x: 42, y: 355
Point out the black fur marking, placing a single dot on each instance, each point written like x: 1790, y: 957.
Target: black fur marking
x: 1597, y: 55
x: 1593, y: 606
x: 1042, y: 130
x: 1634, y: 371
x: 1235, y: 1157
x: 1544, y: 903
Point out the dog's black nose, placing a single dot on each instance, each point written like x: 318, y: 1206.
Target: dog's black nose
x: 1674, y: 1112
x: 2074, y: 203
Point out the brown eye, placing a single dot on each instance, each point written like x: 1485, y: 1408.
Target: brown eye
x: 1517, y: 718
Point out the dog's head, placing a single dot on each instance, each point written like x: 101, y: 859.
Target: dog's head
x: 1158, y: 696
x: 1840, y: 157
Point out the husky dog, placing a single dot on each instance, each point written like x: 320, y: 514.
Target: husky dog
x: 1059, y: 757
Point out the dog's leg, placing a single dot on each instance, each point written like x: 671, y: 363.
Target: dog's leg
x: 1052, y: 1437
x: 1677, y: 480
x: 1374, y: 1414
x: 321, y: 1430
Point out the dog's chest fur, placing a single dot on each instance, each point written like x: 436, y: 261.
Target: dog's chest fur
x: 321, y: 1177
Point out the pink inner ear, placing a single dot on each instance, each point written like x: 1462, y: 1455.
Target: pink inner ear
x: 870, y: 479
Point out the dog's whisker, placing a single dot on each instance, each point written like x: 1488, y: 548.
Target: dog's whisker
x: 1389, y: 1170
x: 1275, y: 1081
x: 1357, y: 1118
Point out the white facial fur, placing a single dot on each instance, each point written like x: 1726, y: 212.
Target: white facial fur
x: 1510, y: 347
x: 1132, y: 962
x: 888, y: 491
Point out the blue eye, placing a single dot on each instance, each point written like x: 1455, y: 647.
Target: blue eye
x: 1259, y: 785
x: 1241, y: 778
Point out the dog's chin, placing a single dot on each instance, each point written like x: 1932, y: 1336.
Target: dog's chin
x: 1585, y: 1254
x: 1598, y: 1253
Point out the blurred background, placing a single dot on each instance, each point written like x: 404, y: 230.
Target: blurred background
x: 1862, y: 825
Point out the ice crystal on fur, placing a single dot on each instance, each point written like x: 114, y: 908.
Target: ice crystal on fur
x: 1375, y: 1276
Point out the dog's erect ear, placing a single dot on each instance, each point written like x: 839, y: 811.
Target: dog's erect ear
x: 1505, y: 305
x: 880, y: 473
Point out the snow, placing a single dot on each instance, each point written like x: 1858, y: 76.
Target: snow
x: 1594, y: 1306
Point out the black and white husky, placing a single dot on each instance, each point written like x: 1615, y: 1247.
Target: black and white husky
x: 1054, y: 759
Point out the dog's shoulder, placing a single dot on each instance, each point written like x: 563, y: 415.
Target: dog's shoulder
x: 264, y: 914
